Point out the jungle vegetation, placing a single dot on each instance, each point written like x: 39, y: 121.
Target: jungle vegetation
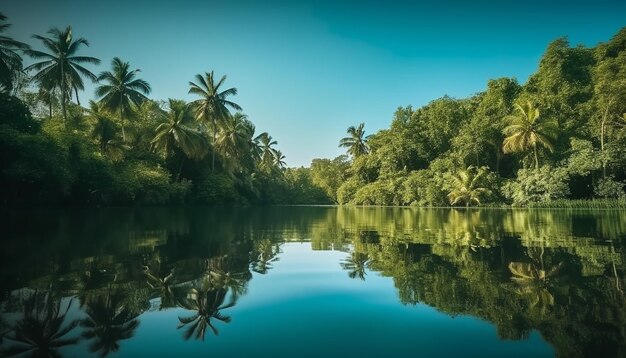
x: 560, y: 136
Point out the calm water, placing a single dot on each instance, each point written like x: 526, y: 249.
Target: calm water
x: 313, y: 282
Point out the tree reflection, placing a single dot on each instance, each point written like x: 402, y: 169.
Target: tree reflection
x: 356, y: 264
x: 108, y: 322
x: 207, y: 302
x: 43, y: 330
x: 266, y: 252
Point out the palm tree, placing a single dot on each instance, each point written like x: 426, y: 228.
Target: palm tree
x: 265, y: 143
x: 233, y: 140
x: 356, y: 142
x: 207, y: 302
x: 466, y: 186
x: 177, y: 133
x: 105, y: 132
x: 526, y: 132
x: 279, y: 159
x: 43, y: 329
x: 123, y: 92
x: 534, y: 283
x: 108, y: 321
x: 213, y: 103
x: 266, y: 252
x: 61, y: 68
x: 10, y: 60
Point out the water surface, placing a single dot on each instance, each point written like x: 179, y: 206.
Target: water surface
x: 313, y: 281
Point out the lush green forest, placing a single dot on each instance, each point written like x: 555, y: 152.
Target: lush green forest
x: 559, y: 136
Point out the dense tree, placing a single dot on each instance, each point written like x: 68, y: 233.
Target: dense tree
x: 123, y: 92
x: 466, y: 186
x: 62, y: 67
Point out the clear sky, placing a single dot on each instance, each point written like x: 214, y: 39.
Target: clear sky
x: 306, y: 70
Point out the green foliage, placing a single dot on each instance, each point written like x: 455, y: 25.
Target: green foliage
x: 609, y: 188
x: 14, y: 114
x: 216, y: 189
x: 347, y: 190
x: 470, y: 186
x: 424, y: 188
x: 542, y: 185
x: 301, y: 189
x: 330, y: 174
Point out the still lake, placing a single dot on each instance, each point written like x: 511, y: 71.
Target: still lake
x: 313, y: 282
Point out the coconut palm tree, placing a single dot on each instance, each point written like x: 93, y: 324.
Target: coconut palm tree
x: 279, y: 159
x: 213, y: 104
x: 268, y: 153
x: 526, y: 132
x: 466, y: 187
x: 62, y: 67
x: 10, y: 60
x: 356, y: 142
x: 43, y: 329
x: 107, y: 323
x: 123, y: 92
x: 233, y: 139
x: 105, y: 132
x: 177, y: 132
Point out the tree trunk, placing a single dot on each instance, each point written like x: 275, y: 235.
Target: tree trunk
x: 122, y: 122
x: 63, y: 94
x: 605, y: 118
x: 536, y: 157
x: 213, y: 149
x: 180, y: 168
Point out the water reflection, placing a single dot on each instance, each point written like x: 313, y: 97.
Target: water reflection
x: 87, y: 277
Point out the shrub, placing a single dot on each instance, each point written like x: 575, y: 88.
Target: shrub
x: 532, y: 186
x: 609, y: 188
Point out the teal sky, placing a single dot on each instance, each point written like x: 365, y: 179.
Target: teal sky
x: 306, y: 70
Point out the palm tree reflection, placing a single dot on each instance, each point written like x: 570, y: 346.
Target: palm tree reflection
x: 43, y: 330
x: 356, y: 264
x: 207, y: 302
x: 108, y: 322
x: 534, y: 283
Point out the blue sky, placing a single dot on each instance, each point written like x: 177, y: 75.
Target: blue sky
x: 306, y: 70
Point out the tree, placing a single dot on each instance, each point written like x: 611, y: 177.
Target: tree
x: 268, y: 153
x: 61, y: 68
x: 10, y: 60
x: 279, y: 159
x: 213, y: 103
x: 177, y: 133
x: 207, y: 302
x: 466, y: 186
x: 356, y: 142
x: 526, y: 132
x: 234, y: 139
x: 123, y: 92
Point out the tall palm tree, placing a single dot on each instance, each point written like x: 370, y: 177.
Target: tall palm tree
x: 177, y: 132
x: 213, y: 104
x: 356, y: 142
x: 61, y: 68
x: 10, y: 60
x: 108, y: 321
x: 233, y: 139
x: 123, y: 92
x: 279, y: 159
x: 268, y: 153
x: 105, y: 132
x: 43, y: 329
x: 466, y: 187
x: 526, y: 132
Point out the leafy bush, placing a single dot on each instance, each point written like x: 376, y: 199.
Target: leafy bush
x: 216, y: 189
x: 347, y: 190
x: 423, y: 188
x: 15, y: 114
x: 531, y: 186
x: 609, y: 188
